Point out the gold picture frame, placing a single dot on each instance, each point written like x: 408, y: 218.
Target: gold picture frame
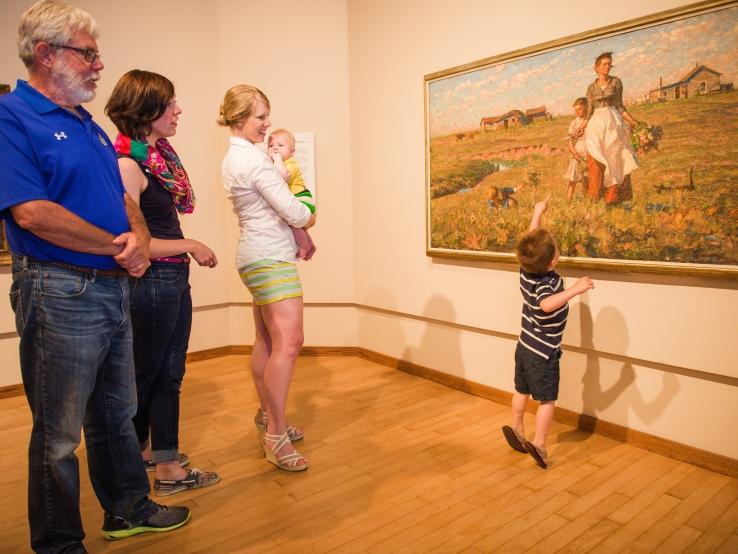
x: 497, y: 137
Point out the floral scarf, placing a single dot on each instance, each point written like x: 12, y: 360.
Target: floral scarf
x: 164, y: 164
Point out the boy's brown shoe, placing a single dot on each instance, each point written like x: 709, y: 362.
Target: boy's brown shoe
x: 514, y: 439
x: 539, y: 454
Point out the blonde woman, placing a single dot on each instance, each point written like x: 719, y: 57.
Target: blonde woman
x: 266, y: 258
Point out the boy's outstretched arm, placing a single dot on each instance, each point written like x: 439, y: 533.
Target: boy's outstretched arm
x: 555, y: 301
x: 538, y: 211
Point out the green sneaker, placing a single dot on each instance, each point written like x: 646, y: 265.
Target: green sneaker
x: 164, y: 519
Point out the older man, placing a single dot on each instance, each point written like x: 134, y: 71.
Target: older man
x: 75, y: 240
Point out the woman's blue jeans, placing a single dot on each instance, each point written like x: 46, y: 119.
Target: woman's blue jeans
x: 77, y: 365
x: 161, y: 312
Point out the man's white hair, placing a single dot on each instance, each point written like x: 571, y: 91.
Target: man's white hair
x: 53, y: 22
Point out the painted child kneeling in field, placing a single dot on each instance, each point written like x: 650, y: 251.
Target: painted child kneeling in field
x: 281, y: 148
x: 545, y: 308
x: 577, y: 170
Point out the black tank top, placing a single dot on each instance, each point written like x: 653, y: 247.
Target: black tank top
x: 157, y: 206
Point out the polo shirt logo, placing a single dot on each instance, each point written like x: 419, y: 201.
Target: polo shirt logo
x: 102, y: 140
x: 60, y: 136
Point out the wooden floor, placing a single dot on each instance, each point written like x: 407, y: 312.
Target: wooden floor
x: 398, y: 464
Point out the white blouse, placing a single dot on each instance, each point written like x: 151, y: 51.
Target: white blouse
x: 264, y: 205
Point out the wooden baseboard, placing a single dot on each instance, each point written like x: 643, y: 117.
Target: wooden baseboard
x: 329, y: 351
x: 682, y: 452
x: 211, y: 353
x: 11, y: 390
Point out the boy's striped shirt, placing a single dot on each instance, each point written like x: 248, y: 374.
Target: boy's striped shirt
x: 541, y: 332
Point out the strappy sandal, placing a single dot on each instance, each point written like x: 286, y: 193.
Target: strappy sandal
x: 288, y: 462
x: 260, y: 422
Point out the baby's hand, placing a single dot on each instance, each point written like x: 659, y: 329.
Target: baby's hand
x: 583, y: 284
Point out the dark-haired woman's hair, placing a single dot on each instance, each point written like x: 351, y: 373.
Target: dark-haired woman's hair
x: 138, y: 99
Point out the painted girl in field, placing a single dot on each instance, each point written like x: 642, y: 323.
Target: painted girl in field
x: 610, y: 158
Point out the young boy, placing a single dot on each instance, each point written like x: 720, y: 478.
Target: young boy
x: 545, y: 308
x: 281, y: 148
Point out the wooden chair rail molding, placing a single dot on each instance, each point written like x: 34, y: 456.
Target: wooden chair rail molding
x: 682, y: 452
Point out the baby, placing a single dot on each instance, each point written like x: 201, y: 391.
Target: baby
x: 281, y: 148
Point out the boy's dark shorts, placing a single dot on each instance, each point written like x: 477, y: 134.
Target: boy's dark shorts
x: 535, y: 375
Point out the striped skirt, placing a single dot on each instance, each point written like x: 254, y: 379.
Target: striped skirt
x: 271, y: 281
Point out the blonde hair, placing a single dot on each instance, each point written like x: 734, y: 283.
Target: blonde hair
x: 53, y: 22
x: 284, y: 133
x: 581, y: 101
x: 239, y: 103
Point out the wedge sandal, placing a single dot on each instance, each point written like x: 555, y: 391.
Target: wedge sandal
x: 288, y: 462
x: 260, y: 422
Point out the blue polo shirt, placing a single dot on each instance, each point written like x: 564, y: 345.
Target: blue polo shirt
x: 48, y: 153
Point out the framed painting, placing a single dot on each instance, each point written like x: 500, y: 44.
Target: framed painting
x: 636, y: 153
x: 4, y: 253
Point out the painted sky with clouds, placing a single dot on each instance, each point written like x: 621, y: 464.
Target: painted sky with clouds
x: 555, y: 79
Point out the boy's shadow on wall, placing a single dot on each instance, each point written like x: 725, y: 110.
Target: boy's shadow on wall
x: 437, y: 337
x: 620, y: 398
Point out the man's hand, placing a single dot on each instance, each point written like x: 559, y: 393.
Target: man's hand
x: 135, y: 254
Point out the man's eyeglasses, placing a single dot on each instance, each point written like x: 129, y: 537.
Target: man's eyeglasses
x: 89, y: 55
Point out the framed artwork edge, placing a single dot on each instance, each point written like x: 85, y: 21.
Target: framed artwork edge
x: 599, y: 32
x: 727, y: 272
x: 621, y: 266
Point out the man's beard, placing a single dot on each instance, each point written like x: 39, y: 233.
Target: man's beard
x: 71, y: 85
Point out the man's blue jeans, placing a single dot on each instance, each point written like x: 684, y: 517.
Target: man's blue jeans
x: 77, y: 365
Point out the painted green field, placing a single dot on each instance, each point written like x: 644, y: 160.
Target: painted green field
x: 667, y: 220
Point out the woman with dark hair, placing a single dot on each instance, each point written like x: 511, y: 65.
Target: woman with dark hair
x: 145, y: 111
x: 610, y: 158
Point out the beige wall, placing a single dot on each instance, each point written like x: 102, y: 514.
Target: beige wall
x: 207, y: 47
x: 677, y: 322
x: 352, y: 72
